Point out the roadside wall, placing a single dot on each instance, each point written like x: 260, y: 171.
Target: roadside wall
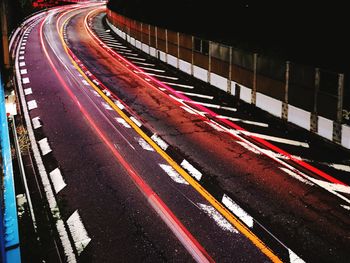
x: 309, y: 97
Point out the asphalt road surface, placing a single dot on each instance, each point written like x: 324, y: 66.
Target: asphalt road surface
x: 141, y: 163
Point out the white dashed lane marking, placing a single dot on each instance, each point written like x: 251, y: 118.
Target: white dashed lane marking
x: 123, y: 122
x: 32, y: 105
x: 28, y: 91
x: 175, y: 176
x: 25, y: 80
x: 144, y: 144
x: 218, y: 218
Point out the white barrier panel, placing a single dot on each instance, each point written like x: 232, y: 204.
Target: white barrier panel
x: 133, y: 41
x: 152, y: 52
x: 162, y: 56
x: 299, y: 117
x: 325, y: 128
x: 269, y: 104
x: 200, y: 73
x: 172, y: 60
x: 185, y: 66
x: 345, y: 140
x: 218, y: 81
x: 138, y: 44
x: 246, y: 94
x: 233, y: 88
x: 145, y: 48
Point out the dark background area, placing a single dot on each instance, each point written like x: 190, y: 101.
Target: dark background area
x: 307, y: 32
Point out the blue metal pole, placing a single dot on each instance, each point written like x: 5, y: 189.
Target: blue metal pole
x: 11, y: 236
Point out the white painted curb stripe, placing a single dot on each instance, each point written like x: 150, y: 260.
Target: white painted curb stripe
x: 28, y: 91
x: 44, y: 146
x: 36, y: 122
x: 32, y: 105
x: 68, y: 250
x: 25, y: 80
x: 162, y: 144
x: 119, y: 104
x: 237, y: 210
x: 57, y: 180
x: 192, y: 171
x: 78, y: 231
x: 294, y: 258
x: 136, y: 121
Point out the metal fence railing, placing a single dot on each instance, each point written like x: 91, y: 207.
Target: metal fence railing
x: 316, y: 92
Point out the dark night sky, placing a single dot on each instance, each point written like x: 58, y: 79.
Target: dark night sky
x: 311, y: 32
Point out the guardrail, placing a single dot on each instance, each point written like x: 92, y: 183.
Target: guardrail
x: 9, y: 240
x: 309, y: 97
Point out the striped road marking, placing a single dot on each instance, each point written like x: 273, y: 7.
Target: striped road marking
x: 57, y: 180
x: 79, y: 234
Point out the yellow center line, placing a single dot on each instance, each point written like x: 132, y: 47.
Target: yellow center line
x: 215, y: 203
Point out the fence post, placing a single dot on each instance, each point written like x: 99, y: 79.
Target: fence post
x: 337, y: 128
x: 166, y: 45
x: 178, y: 50
x: 192, y: 56
x: 314, y: 114
x: 255, y: 62
x: 229, y: 80
x: 141, y: 34
x: 156, y: 35
x: 286, y: 91
x: 209, y: 66
x: 149, y: 39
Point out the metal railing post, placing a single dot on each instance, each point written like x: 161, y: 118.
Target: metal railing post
x: 337, y: 125
x: 255, y: 62
x: 286, y: 91
x: 314, y: 114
